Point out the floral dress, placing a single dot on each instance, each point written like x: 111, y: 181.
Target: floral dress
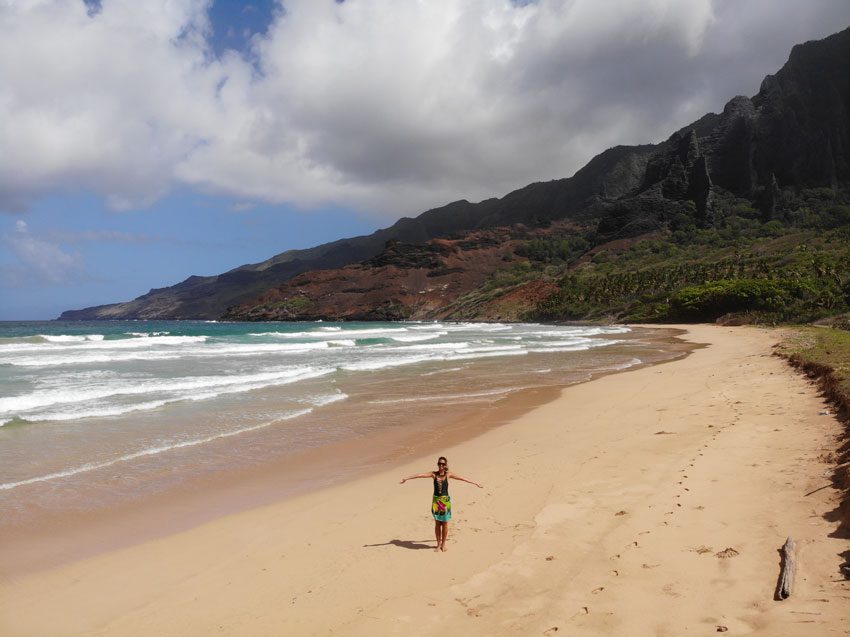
x: 441, y: 504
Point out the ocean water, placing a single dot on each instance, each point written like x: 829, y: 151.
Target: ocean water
x: 96, y: 412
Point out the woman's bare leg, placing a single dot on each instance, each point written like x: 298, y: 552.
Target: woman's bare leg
x: 438, y: 534
x: 445, y: 526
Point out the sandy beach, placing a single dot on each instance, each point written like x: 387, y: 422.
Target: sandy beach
x: 648, y: 502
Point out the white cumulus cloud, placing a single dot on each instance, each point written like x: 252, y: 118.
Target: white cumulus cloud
x: 389, y: 106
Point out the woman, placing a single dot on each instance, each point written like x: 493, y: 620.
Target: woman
x: 441, y: 505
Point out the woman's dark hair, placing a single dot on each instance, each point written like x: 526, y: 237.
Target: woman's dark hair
x: 443, y: 458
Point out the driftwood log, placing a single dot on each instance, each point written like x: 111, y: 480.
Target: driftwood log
x: 789, y: 568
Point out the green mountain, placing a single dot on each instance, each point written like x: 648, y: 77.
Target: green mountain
x: 715, y: 192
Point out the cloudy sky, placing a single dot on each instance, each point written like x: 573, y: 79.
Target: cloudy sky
x: 142, y: 142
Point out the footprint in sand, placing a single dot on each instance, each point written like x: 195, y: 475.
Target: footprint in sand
x: 701, y: 550
x: 670, y: 589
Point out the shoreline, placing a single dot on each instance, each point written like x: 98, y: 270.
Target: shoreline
x: 621, y: 481
x: 56, y: 538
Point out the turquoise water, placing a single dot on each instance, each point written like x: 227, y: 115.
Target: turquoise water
x: 123, y: 329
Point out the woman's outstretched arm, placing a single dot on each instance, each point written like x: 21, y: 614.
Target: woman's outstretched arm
x: 455, y: 476
x: 418, y: 475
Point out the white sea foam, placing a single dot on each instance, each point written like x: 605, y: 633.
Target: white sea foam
x: 82, y: 346
x: 449, y: 397
x: 290, y: 335
x: 626, y: 365
x: 562, y: 342
x: 443, y: 371
x: 413, y: 338
x: 576, y: 347
x: 492, y: 349
x: 142, y: 339
x: 101, y: 355
x: 147, y: 333
x: 88, y: 359
x: 150, y: 451
x: 68, y: 338
x: 433, y: 352
x: 382, y: 363
x: 480, y: 327
x: 485, y: 354
x: 554, y: 350
x: 321, y: 401
x: 96, y: 412
x: 80, y: 402
x: 426, y: 326
x: 149, y: 341
x: 325, y: 332
x: 424, y: 347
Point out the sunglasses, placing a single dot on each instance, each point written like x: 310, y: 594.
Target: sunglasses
x: 441, y: 464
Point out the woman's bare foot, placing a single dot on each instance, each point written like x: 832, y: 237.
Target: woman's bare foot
x: 443, y: 547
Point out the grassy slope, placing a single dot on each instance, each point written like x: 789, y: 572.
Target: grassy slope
x: 823, y: 353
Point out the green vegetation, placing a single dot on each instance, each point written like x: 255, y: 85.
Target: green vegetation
x: 698, y: 302
x: 293, y: 304
x: 496, y: 286
x: 794, y: 268
x: 554, y: 250
x: 823, y: 354
x: 825, y: 347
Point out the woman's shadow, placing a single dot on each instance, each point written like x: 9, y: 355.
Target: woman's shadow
x: 405, y: 544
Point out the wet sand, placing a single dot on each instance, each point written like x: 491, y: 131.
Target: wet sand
x: 650, y: 502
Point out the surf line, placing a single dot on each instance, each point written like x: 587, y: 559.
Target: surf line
x: 93, y: 466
